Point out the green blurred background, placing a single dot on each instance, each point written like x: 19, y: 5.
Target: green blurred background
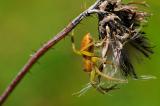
x: 26, y: 24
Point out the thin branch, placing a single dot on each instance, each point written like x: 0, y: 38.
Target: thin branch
x: 44, y: 49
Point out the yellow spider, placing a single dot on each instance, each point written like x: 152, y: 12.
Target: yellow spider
x: 90, y: 62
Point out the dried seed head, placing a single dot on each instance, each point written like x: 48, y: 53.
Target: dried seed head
x: 120, y: 26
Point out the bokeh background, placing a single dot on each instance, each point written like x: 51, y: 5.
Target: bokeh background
x: 26, y: 24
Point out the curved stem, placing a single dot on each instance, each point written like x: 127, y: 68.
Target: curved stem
x: 43, y: 50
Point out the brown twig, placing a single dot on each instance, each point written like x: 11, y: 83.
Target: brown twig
x: 44, y: 49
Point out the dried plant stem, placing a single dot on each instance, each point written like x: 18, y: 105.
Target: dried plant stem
x: 43, y: 50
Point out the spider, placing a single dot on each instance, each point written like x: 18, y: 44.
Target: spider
x: 90, y: 62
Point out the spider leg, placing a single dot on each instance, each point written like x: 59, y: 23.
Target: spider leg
x: 73, y: 46
x: 107, y: 89
x: 82, y: 51
x: 96, y: 84
x: 108, y: 77
x: 140, y: 3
